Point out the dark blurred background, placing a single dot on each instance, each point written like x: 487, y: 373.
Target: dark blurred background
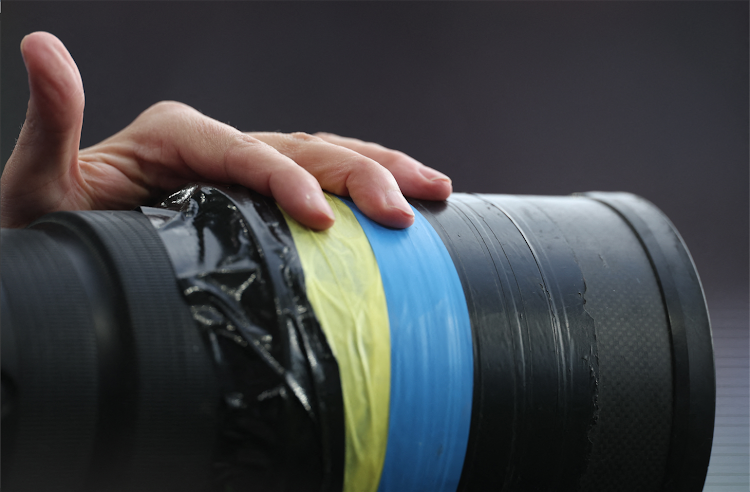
x: 516, y: 97
x: 505, y: 97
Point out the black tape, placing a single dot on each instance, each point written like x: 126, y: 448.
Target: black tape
x: 535, y: 349
x: 569, y: 341
x: 281, y: 418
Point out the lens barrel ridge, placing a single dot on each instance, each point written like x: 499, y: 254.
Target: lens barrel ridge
x: 694, y: 390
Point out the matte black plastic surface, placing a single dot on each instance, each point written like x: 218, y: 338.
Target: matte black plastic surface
x: 694, y: 390
x: 587, y: 375
x: 99, y: 322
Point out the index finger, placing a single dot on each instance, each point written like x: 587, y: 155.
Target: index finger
x: 345, y: 172
x: 415, y: 179
x: 173, y: 143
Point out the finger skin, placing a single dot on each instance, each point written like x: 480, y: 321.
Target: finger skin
x: 171, y: 144
x: 415, y: 179
x: 172, y: 141
x: 42, y: 169
x: 343, y: 171
x: 167, y: 146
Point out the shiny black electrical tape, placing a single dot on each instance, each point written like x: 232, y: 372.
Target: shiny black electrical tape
x: 535, y: 377
x: 692, y: 361
x: 281, y: 424
x: 125, y: 356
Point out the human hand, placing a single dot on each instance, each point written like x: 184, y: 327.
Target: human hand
x: 171, y: 144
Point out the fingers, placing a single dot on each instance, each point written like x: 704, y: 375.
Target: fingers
x: 415, y: 179
x: 174, y: 137
x: 171, y: 144
x: 345, y: 172
x: 47, y: 148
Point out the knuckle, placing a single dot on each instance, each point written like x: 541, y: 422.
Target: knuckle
x: 302, y: 137
x: 361, y: 164
x: 240, y: 143
x: 295, y: 144
x: 156, y: 121
x: 245, y: 139
x: 239, y: 150
x: 389, y: 157
x: 168, y: 108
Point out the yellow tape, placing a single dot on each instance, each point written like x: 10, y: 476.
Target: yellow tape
x: 345, y: 289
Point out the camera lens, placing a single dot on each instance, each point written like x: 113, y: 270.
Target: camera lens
x: 213, y: 343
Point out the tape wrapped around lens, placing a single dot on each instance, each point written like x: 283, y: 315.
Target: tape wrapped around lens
x: 281, y: 415
x: 392, y: 313
x: 413, y: 426
x: 496, y: 337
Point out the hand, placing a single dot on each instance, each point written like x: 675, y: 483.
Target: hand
x: 171, y: 144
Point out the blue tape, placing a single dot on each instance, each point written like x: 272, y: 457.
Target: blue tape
x: 432, y: 366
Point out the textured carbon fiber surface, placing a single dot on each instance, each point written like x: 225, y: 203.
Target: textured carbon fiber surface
x: 630, y: 439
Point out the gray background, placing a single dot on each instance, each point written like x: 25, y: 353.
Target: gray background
x: 505, y: 97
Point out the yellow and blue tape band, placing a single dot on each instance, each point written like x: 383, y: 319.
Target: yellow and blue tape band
x: 393, y: 310
x: 432, y: 361
x: 345, y: 289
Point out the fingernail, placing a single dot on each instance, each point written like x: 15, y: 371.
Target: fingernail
x: 320, y: 203
x: 433, y: 175
x: 395, y: 199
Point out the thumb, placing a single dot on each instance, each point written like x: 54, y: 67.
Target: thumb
x: 46, y: 154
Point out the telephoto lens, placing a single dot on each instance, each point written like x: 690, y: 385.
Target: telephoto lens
x: 212, y: 343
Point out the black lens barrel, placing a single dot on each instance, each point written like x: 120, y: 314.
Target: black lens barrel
x: 593, y: 350
x: 593, y: 359
x: 116, y: 389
